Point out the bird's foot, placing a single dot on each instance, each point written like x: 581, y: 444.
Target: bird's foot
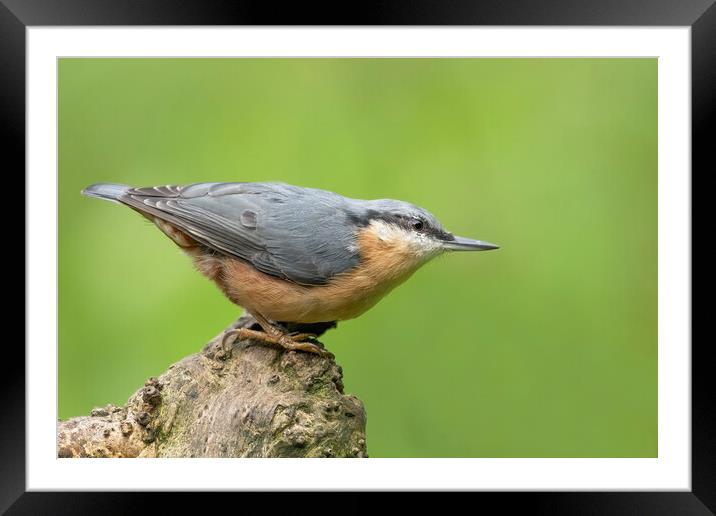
x: 298, y: 342
x: 290, y: 342
x: 303, y: 337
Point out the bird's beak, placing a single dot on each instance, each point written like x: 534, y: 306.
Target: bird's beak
x: 467, y: 244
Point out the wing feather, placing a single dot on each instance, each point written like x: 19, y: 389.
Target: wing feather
x: 294, y: 233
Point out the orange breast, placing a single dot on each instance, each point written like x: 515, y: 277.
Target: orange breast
x: 384, y: 265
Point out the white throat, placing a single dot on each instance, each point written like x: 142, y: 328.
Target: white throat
x: 422, y: 247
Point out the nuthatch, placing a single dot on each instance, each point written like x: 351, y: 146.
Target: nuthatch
x: 289, y: 254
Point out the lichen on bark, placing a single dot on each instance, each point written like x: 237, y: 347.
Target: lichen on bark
x: 249, y: 400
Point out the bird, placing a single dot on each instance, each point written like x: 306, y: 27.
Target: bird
x: 292, y: 255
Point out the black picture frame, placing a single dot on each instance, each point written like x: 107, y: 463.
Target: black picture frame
x: 17, y: 15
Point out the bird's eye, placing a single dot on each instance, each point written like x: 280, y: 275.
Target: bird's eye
x: 417, y: 225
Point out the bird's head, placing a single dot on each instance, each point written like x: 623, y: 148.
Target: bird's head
x: 414, y: 231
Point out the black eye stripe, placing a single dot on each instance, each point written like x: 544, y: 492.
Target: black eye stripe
x: 404, y: 220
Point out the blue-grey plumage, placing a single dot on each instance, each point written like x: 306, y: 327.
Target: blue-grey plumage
x: 330, y: 257
x: 289, y: 232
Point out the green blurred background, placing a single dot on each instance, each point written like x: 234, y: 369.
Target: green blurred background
x: 545, y: 348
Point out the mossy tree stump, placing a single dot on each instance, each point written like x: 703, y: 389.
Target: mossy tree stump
x: 249, y: 400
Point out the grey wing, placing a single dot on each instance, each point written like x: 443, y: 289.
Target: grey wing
x: 292, y: 233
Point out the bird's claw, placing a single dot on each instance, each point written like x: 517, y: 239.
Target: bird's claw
x: 289, y: 342
x: 303, y: 337
x: 298, y: 342
x: 226, y: 343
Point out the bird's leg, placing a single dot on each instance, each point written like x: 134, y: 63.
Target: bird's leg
x: 274, y: 335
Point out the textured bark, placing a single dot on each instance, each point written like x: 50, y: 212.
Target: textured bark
x: 249, y: 400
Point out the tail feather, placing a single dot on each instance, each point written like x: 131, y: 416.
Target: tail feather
x: 107, y: 191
